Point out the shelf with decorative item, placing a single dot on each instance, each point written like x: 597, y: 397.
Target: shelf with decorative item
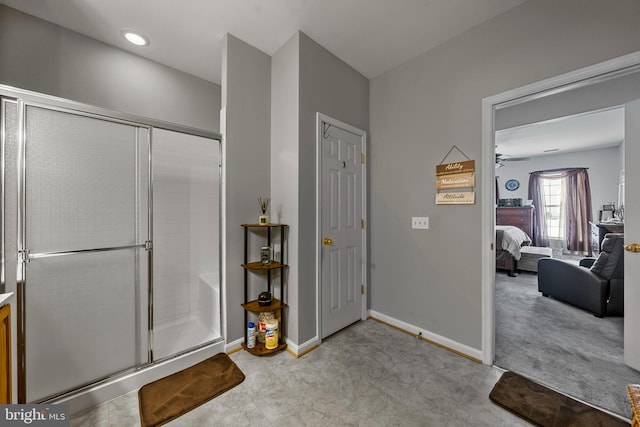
x: 255, y: 307
x: 261, y: 350
x: 264, y: 205
x: 257, y: 265
x: 270, y: 278
x: 270, y: 225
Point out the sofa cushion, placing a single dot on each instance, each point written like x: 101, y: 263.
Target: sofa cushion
x: 609, y: 263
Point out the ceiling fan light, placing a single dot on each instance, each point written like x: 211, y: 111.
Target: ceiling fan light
x: 134, y: 37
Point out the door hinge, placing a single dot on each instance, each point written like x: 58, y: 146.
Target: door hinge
x: 362, y: 224
x: 362, y: 289
x: 23, y: 255
x: 362, y: 158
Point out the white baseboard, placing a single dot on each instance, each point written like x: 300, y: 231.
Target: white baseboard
x: 294, y: 349
x: 465, y: 350
x: 233, y: 345
x: 299, y: 350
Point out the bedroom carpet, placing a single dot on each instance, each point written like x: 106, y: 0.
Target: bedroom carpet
x: 545, y: 407
x: 561, y: 346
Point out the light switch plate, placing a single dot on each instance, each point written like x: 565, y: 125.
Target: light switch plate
x: 421, y: 222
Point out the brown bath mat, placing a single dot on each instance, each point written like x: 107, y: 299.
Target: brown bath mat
x: 167, y: 398
x: 545, y: 407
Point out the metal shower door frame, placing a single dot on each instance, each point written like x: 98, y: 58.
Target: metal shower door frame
x: 24, y: 98
x: 24, y: 253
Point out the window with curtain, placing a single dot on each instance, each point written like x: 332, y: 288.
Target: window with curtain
x: 554, y: 194
x: 562, y: 199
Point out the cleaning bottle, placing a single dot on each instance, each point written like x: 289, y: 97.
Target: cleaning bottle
x: 251, y: 335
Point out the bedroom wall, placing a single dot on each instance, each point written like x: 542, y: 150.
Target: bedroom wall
x: 604, y: 170
x: 419, y: 110
x: 42, y: 57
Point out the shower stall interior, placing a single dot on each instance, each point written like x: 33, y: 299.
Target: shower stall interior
x: 111, y: 241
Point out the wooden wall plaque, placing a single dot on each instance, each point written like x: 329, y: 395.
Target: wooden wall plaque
x: 457, y: 198
x: 468, y: 166
x: 462, y: 180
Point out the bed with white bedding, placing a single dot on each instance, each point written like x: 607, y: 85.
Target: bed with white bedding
x: 509, y: 240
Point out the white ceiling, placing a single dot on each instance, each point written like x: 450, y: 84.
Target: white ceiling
x: 372, y: 36
x: 586, y: 131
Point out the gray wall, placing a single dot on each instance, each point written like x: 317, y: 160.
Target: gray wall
x: 331, y: 87
x: 307, y: 79
x: 42, y: 57
x: 604, y: 170
x: 285, y: 95
x: 246, y: 96
x: 422, y: 108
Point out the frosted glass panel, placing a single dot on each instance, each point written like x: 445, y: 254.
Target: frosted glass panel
x: 9, y: 235
x: 81, y: 316
x: 186, y: 287
x: 86, y: 188
x: 80, y: 182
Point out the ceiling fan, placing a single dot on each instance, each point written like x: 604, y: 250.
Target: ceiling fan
x: 502, y: 159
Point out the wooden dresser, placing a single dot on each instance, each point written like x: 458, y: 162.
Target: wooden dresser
x: 521, y: 217
x: 599, y: 230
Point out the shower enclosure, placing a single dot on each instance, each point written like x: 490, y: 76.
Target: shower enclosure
x: 110, y: 232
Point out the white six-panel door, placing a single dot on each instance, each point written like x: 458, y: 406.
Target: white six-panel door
x: 632, y: 235
x: 342, y: 227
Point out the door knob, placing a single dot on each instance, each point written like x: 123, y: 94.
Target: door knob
x: 328, y: 241
x: 632, y: 247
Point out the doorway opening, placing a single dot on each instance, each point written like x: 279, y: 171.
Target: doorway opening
x: 542, y: 101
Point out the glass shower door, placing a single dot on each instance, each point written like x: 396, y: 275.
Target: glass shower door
x: 186, y: 241
x: 84, y: 203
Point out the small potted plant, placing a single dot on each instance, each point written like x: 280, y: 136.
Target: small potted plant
x: 264, y: 205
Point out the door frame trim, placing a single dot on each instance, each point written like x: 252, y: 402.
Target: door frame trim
x: 572, y: 80
x: 322, y: 118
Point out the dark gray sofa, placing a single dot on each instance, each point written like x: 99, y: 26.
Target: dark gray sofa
x: 596, y: 285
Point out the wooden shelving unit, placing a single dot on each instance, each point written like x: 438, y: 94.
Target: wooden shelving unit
x: 254, y: 307
x: 251, y: 304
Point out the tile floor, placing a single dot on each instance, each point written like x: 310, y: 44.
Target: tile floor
x: 369, y: 374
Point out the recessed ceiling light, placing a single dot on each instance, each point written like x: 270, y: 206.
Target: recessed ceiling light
x: 134, y: 37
